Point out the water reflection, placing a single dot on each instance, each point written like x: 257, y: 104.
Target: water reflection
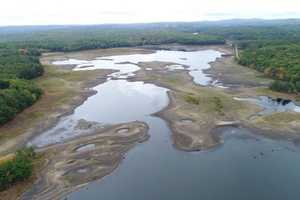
x: 271, y: 105
x: 116, y: 101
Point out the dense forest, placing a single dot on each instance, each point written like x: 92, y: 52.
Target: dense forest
x: 281, y: 62
x: 270, y: 46
x: 90, y: 37
x: 17, y: 66
x: 20, y: 63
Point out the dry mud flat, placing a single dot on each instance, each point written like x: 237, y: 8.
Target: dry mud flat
x: 72, y: 164
x: 244, y: 82
x: 195, y: 111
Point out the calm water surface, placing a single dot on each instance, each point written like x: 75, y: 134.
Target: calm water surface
x: 116, y: 101
x: 270, y: 105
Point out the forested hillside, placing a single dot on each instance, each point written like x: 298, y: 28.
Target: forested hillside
x: 91, y: 37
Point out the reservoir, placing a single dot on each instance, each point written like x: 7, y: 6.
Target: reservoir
x: 246, y: 166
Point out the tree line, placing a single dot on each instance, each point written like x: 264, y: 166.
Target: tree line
x: 81, y: 38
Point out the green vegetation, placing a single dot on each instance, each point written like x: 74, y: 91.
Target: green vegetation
x: 215, y: 102
x: 281, y: 62
x: 218, y: 105
x: 18, y: 169
x: 192, y: 99
x: 20, y: 63
x: 15, y: 96
x: 92, y: 37
x: 247, y: 33
x: 17, y: 66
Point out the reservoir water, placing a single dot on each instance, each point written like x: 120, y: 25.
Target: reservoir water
x: 270, y: 105
x: 246, y: 166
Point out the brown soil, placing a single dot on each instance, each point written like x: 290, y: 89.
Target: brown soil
x: 195, y: 111
x: 69, y: 167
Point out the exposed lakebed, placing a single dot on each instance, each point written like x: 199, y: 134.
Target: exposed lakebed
x: 195, y: 61
x: 246, y: 166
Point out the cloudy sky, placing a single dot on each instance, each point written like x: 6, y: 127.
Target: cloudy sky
x: 36, y: 12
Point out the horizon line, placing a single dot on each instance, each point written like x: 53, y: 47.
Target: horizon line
x: 145, y: 23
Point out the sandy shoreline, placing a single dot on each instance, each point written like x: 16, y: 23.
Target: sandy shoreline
x: 79, y: 161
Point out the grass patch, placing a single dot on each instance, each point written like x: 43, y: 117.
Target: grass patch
x: 192, y: 99
x: 214, y: 103
x: 218, y: 105
x: 282, y: 118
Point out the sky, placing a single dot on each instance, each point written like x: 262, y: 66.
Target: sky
x: 45, y: 12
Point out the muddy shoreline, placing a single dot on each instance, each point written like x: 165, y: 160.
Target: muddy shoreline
x: 224, y: 69
x: 73, y: 164
x: 217, y: 71
x: 235, y: 85
x: 48, y: 123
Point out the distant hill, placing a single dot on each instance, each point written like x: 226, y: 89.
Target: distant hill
x: 4, y: 30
